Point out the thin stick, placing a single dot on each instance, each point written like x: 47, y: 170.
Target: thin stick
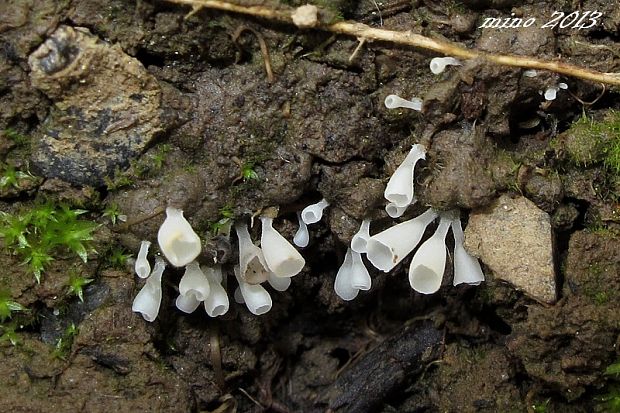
x: 263, y: 49
x: 360, y: 30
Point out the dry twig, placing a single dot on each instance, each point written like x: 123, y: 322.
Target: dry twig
x: 362, y: 31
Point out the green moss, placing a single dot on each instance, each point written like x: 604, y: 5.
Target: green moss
x: 120, y: 180
x: 542, y: 407
x: 64, y: 343
x: 590, y: 141
x: 117, y: 257
x: 14, y: 178
x: 9, y: 334
x: 223, y: 224
x: 16, y: 137
x: 77, y: 283
x: 609, y: 401
x: 38, y: 233
x: 8, y: 306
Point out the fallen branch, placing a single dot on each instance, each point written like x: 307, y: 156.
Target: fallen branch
x: 362, y: 31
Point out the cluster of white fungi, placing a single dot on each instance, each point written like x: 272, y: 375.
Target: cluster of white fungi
x: 276, y: 261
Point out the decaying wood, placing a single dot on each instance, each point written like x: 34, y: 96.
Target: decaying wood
x: 384, y: 370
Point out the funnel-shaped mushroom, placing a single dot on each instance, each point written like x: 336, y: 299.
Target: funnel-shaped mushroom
x: 148, y: 300
x: 360, y: 239
x: 399, y: 190
x: 352, y: 276
x: 466, y: 268
x: 313, y: 213
x: 142, y: 267
x: 216, y: 303
x: 281, y: 257
x: 302, y: 236
x: 429, y: 262
x: 177, y: 240
x: 387, y: 248
x: 438, y: 64
x: 395, y: 102
x: 256, y: 298
x: 252, y: 266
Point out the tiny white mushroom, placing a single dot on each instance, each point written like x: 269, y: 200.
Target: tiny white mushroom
x: 195, y: 282
x: 142, y: 267
x: 399, y: 190
x: 551, y: 93
x: 148, y: 299
x: 530, y: 73
x: 279, y: 283
x: 389, y: 247
x: 302, y: 236
x: 429, y: 262
x: 252, y: 266
x: 360, y: 278
x: 281, y: 257
x: 466, y: 268
x: 177, y: 240
x: 216, y: 303
x: 395, y: 102
x: 342, y: 284
x: 395, y: 211
x: 359, y: 240
x: 352, y: 276
x: 438, y: 64
x: 313, y: 213
x: 187, y: 303
x: 256, y: 298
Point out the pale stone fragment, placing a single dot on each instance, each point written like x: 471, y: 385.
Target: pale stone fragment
x: 513, y: 238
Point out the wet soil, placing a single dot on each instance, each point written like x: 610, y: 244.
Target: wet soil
x: 139, y: 105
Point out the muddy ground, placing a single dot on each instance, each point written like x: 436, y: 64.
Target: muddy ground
x: 134, y: 105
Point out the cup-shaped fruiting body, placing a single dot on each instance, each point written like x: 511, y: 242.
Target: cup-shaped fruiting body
x: 438, y: 64
x: 396, y: 212
x: 177, y: 240
x: 551, y: 92
x: 429, y: 262
x: 399, y: 190
x: 466, y: 268
x: 256, y: 298
x: 187, y: 303
x: 252, y: 266
x: 395, y: 102
x: 302, y: 236
x: 148, y: 300
x: 216, y: 304
x: 279, y: 283
x: 387, y: 248
x: 342, y: 283
x: 360, y: 239
x: 352, y: 276
x: 360, y: 278
x: 142, y: 267
x: 195, y: 282
x: 313, y: 213
x: 281, y: 257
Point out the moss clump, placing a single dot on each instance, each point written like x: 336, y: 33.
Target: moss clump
x: 590, y: 141
x: 38, y: 233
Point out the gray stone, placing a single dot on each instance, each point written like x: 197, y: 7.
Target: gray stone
x: 106, y: 107
x: 513, y: 238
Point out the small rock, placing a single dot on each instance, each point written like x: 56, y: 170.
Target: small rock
x: 513, y: 238
x: 106, y: 107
